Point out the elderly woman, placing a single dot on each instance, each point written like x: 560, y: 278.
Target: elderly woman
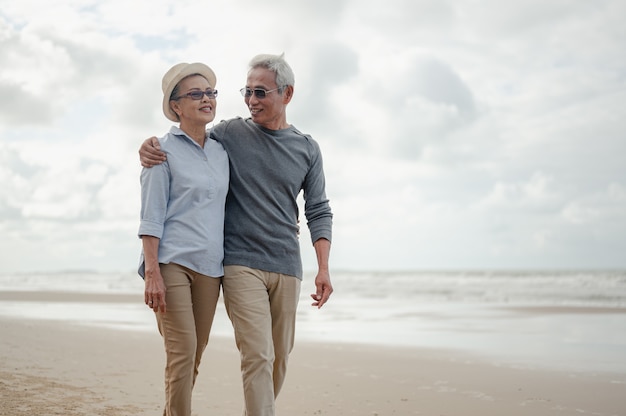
x: 182, y: 228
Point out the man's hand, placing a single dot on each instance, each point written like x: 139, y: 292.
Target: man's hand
x: 322, y: 281
x: 150, y: 153
x: 324, y: 289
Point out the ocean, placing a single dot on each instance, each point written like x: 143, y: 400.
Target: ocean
x: 564, y: 320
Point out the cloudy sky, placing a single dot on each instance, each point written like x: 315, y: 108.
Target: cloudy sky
x: 457, y: 134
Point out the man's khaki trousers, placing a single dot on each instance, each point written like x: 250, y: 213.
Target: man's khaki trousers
x: 262, y: 308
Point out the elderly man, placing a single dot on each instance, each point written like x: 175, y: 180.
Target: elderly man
x: 271, y: 162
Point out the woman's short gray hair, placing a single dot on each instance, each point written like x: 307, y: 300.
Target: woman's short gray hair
x: 276, y: 64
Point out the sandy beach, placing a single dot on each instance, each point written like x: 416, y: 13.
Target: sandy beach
x: 64, y: 368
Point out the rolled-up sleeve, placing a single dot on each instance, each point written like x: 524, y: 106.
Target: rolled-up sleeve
x: 154, y: 199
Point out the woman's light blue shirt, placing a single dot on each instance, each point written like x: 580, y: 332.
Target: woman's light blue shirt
x: 182, y: 203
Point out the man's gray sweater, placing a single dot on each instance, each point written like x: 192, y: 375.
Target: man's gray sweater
x: 268, y: 169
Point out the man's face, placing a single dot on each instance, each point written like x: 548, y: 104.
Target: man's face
x: 269, y: 112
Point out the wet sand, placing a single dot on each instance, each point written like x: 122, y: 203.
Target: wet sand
x: 65, y: 368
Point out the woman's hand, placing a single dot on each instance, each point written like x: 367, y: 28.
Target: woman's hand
x: 154, y: 294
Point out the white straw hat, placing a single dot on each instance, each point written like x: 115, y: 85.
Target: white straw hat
x: 175, y: 75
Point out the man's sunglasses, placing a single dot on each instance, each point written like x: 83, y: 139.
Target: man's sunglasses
x: 259, y: 92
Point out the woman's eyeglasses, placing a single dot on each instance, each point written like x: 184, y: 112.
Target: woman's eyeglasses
x: 197, y: 95
x: 259, y: 92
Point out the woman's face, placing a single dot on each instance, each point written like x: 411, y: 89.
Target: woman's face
x: 192, y: 111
